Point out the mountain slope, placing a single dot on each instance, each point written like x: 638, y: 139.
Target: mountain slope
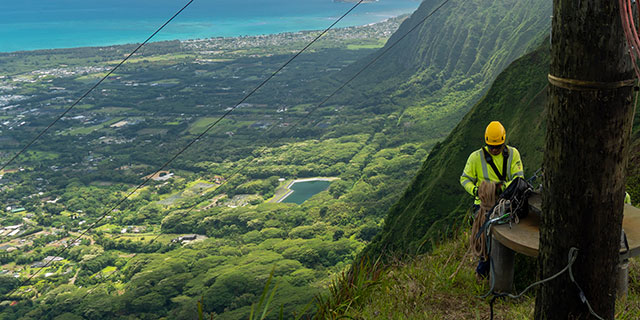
x: 435, y: 74
x: 435, y: 200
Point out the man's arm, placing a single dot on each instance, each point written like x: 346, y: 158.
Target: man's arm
x: 517, y: 168
x: 468, y: 179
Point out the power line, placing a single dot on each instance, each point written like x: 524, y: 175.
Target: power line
x: 286, y: 133
x: 67, y: 111
x: 121, y: 201
x: 263, y: 150
x: 275, y: 141
x: 91, y: 89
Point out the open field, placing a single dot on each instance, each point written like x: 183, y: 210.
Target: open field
x: 88, y: 130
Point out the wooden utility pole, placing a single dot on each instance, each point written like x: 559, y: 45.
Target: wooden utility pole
x: 589, y: 118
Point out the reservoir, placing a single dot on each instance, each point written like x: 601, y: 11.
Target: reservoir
x: 303, y: 190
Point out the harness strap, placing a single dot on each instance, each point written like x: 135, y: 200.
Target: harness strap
x: 505, y: 155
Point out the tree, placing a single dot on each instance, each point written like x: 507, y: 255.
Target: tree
x: 587, y: 142
x: 338, y: 234
x: 7, y: 284
x: 368, y: 231
x: 338, y: 188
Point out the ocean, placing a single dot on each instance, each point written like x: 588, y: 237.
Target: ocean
x: 47, y: 24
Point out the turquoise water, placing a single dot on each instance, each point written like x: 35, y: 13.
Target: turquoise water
x: 45, y: 24
x: 304, y: 190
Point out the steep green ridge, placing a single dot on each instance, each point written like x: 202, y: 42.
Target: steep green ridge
x: 374, y: 145
x: 442, y: 68
x: 435, y: 199
x: 373, y: 141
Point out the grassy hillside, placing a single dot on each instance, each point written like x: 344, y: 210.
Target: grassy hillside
x: 429, y: 287
x: 434, y: 200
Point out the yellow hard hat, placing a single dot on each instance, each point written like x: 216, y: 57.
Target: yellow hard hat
x: 495, y: 134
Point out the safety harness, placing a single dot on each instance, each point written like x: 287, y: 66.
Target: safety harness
x: 505, y: 155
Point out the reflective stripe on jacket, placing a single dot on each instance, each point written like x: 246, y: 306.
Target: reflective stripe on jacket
x: 477, y: 169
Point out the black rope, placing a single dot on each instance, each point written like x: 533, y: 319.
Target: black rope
x: 572, y: 256
x: 491, y: 305
x: 91, y: 89
x: 305, y: 116
x: 121, y: 201
x: 245, y: 98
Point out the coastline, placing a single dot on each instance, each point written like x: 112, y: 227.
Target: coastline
x: 187, y: 41
x: 189, y: 30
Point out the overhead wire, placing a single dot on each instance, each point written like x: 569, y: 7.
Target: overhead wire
x: 253, y: 91
x: 91, y: 89
x: 60, y: 117
x: 121, y: 201
x: 571, y: 254
x: 286, y: 133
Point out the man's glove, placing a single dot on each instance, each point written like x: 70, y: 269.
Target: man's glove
x: 475, y: 191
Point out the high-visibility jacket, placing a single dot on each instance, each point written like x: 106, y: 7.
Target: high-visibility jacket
x: 477, y: 169
x: 627, y: 198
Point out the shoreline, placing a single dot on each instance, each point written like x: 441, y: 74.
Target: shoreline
x: 212, y: 38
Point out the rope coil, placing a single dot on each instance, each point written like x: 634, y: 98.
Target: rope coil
x: 487, y: 195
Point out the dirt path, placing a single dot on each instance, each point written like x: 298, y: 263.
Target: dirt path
x: 75, y: 276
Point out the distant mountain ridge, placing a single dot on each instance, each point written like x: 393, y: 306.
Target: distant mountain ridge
x: 438, y: 71
x: 482, y: 36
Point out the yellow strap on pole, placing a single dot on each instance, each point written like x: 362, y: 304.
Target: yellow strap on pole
x: 573, y: 84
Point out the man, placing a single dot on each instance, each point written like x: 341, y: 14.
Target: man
x: 488, y: 163
x: 495, y: 162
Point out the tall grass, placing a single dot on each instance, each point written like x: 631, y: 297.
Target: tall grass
x: 262, y: 303
x: 439, y: 285
x: 428, y: 287
x: 349, y: 289
x: 261, y: 309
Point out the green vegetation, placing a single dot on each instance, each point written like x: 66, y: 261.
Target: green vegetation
x: 446, y: 65
x: 421, y: 286
x: 135, y: 261
x: 435, y: 199
x: 442, y: 285
x: 372, y: 44
x: 141, y: 260
x: 87, y: 130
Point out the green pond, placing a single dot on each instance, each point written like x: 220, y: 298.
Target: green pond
x: 304, y: 190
